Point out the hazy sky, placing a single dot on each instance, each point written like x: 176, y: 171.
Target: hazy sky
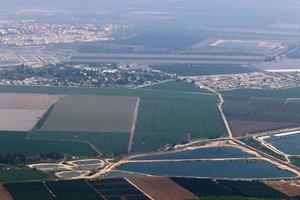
x: 187, y: 11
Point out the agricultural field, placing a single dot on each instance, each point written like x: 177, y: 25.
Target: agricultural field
x: 92, y: 114
x: 179, y: 86
x: 228, y: 188
x: 113, y: 189
x: 247, y: 93
x: 70, y: 190
x: 164, y: 117
x: 254, y: 114
x: 161, y: 188
x: 15, y: 175
x: 107, y: 143
x: 288, y: 187
x: 202, y: 69
x: 30, y: 190
x: 4, y: 194
x: 29, y: 147
x: 169, y: 121
x: 203, y: 187
x: 252, y: 189
x: 21, y: 112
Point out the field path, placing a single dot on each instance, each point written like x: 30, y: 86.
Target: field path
x: 134, y: 121
x: 221, y: 102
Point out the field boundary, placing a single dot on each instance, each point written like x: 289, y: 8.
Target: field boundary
x: 134, y: 121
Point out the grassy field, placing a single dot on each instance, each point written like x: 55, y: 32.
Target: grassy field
x: 15, y: 175
x: 16, y: 143
x: 91, y: 113
x: 29, y: 191
x: 282, y: 93
x: 103, y: 91
x: 170, y: 120
x: 179, y: 86
x: 106, y: 143
x: 165, y: 117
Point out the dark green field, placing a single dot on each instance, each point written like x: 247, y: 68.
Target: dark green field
x: 103, y: 91
x: 164, y: 121
x: 29, y: 191
x: 106, y: 143
x: 179, y: 86
x: 165, y: 117
x: 282, y: 93
x: 15, y: 175
x: 16, y: 143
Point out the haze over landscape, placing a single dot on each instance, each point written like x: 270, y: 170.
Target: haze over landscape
x: 149, y: 100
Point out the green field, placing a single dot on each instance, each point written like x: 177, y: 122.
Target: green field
x: 29, y: 191
x: 15, y: 175
x: 16, y: 143
x: 106, y: 143
x: 179, y: 86
x: 103, y: 91
x: 282, y: 93
x: 164, y: 121
x: 165, y: 117
x: 92, y: 113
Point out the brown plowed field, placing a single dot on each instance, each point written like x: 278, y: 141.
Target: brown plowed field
x: 4, y: 194
x: 33, y: 101
x: 289, y: 187
x: 161, y: 188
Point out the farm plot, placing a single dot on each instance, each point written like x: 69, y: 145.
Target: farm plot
x: 107, y: 143
x: 255, y: 114
x: 92, y: 114
x: 21, y: 112
x: 179, y: 86
x: 14, y: 175
x: 288, y: 187
x: 30, y: 190
x: 252, y: 189
x: 4, y: 194
x: 72, y: 190
x: 163, y: 121
x: 115, y: 189
x: 161, y: 188
x: 10, y: 140
x: 203, y: 187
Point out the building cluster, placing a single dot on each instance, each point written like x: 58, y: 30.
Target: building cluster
x: 83, y: 76
x: 255, y: 80
x: 29, y: 32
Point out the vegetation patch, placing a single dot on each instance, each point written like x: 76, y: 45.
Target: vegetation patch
x: 15, y: 175
x: 180, y: 86
x: 30, y: 190
x: 26, y: 147
x: 107, y: 143
x: 171, y: 121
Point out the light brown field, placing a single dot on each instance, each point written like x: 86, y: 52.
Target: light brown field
x: 92, y: 114
x: 4, y: 194
x: 21, y: 112
x: 289, y: 187
x: 33, y: 101
x: 161, y: 188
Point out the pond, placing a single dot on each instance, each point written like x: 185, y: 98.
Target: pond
x: 211, y: 152
x: 209, y: 169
